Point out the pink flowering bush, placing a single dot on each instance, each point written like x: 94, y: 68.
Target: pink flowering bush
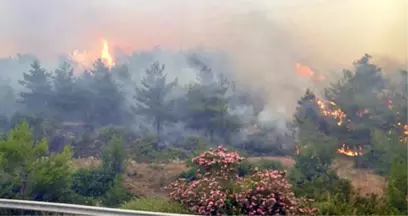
x: 220, y: 191
x: 269, y: 193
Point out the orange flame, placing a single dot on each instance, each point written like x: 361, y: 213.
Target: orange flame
x: 334, y: 112
x: 105, y: 55
x: 349, y: 152
x: 304, y: 70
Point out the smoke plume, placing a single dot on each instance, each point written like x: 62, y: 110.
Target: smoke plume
x: 263, y: 39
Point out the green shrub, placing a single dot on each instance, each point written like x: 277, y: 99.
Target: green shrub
x: 92, y: 182
x: 396, y: 193
x: 190, y: 174
x: 267, y: 164
x: 114, y: 155
x: 245, y: 167
x: 144, y: 150
x: 116, y: 195
x: 155, y: 205
x: 311, y: 177
x: 52, y: 178
x: 106, y: 133
x: 356, y: 205
x: 383, y: 149
x: 169, y: 154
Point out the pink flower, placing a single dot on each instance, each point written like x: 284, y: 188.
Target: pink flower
x: 212, y: 190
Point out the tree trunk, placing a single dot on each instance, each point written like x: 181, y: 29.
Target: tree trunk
x: 23, y: 188
x: 158, y: 129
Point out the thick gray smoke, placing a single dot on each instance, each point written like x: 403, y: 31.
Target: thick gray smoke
x: 260, y: 42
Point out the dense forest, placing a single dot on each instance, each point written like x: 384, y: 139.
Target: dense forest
x: 56, y: 117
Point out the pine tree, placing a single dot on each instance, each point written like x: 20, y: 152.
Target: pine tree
x: 152, y: 98
x: 207, y: 105
x: 38, y: 96
x: 65, y: 100
x: 106, y: 106
x: 357, y: 94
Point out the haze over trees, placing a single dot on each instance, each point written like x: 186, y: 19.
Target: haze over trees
x: 105, y: 114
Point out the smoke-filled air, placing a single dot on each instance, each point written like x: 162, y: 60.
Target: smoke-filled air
x: 244, y: 107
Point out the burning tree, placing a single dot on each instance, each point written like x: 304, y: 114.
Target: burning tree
x: 353, y: 106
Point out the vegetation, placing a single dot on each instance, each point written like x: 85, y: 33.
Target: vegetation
x: 63, y: 117
x: 219, y: 190
x: 156, y: 205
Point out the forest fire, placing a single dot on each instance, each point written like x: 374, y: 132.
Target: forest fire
x: 348, y: 152
x: 336, y: 113
x: 85, y: 59
x: 105, y: 55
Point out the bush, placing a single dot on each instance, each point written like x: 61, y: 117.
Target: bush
x: 379, y: 158
x: 219, y: 190
x: 356, y: 205
x: 116, y: 195
x: 397, y: 183
x: 155, y: 205
x: 114, y: 155
x: 92, y: 182
x: 190, y: 174
x: 313, y: 178
x: 52, y: 180
x: 144, y: 150
x: 246, y: 167
x: 267, y: 164
x: 106, y: 133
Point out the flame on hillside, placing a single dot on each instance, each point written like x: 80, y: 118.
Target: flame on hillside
x: 352, y: 153
x: 331, y: 109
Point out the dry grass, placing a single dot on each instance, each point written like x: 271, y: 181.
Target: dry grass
x: 149, y: 179
x: 88, y: 162
x: 140, y: 178
x: 364, y: 180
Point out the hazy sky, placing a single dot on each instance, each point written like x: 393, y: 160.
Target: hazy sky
x: 329, y: 27
x: 263, y: 38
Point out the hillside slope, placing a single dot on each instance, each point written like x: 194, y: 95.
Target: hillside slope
x: 149, y: 179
